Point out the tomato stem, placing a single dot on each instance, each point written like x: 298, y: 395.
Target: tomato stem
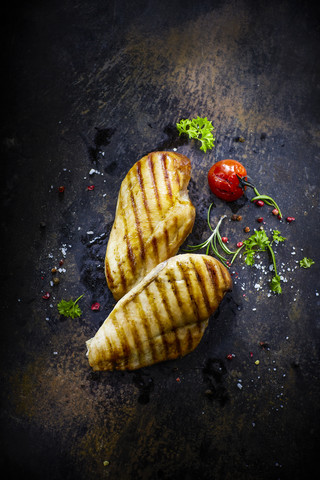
x: 266, y: 198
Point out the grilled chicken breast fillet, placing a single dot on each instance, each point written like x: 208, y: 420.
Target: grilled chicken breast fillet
x: 154, y: 215
x: 163, y: 317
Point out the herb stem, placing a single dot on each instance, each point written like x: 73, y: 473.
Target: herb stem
x: 273, y: 260
x: 236, y: 254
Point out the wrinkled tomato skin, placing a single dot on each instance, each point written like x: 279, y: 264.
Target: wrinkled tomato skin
x: 223, y: 180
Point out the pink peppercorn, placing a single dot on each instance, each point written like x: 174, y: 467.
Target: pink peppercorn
x: 239, y: 244
x: 95, y: 306
x: 275, y: 211
x: 260, y: 219
x: 91, y: 187
x: 224, y: 239
x: 46, y: 296
x: 290, y: 219
x: 229, y: 356
x: 259, y: 203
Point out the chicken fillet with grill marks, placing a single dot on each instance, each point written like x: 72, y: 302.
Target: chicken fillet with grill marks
x: 154, y: 215
x: 163, y: 317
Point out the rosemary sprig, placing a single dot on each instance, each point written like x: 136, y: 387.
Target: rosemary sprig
x: 213, y: 241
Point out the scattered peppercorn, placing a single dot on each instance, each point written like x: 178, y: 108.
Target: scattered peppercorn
x: 246, y: 229
x: 290, y: 219
x: 56, y: 280
x: 225, y: 239
x: 264, y: 345
x: 239, y: 244
x: 275, y: 211
x: 53, y: 270
x: 91, y: 187
x: 260, y: 219
x: 259, y: 203
x: 61, y: 189
x: 46, y: 296
x: 236, y: 218
x: 95, y: 306
x: 229, y: 356
x: 61, y: 262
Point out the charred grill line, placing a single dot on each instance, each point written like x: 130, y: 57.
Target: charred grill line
x: 123, y: 280
x: 138, y: 226
x: 190, y: 290
x: 124, y: 350
x: 147, y: 209
x: 131, y: 254
x: 136, y: 337
x: 154, y: 183
x: 165, y: 174
x: 212, y: 273
x: 165, y: 303
x: 202, y: 283
x: 154, y: 309
x: 146, y: 324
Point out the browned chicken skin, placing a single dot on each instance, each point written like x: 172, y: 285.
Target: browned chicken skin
x: 163, y: 317
x: 154, y: 216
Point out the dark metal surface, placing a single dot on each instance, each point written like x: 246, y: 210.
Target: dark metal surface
x: 97, y: 85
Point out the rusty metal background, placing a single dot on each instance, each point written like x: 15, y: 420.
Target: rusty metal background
x: 97, y: 85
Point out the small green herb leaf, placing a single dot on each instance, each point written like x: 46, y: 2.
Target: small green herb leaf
x: 306, y: 262
x: 276, y: 237
x: 258, y: 241
x: 70, y: 308
x: 275, y: 284
x: 199, y: 129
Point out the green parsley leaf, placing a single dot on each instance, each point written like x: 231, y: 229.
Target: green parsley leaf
x: 306, y: 262
x: 276, y: 237
x: 275, y: 284
x: 259, y: 242
x: 199, y: 129
x: 70, y: 308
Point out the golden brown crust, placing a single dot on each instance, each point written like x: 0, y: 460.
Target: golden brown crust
x: 154, y: 215
x: 163, y: 317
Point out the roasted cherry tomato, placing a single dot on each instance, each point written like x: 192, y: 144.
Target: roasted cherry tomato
x: 223, y: 180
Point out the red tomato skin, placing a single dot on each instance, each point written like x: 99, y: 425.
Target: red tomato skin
x: 223, y: 180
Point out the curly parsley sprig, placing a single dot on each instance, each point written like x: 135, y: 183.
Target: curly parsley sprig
x: 70, y: 308
x: 259, y: 242
x: 199, y: 129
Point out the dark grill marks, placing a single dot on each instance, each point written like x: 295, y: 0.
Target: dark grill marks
x: 145, y: 322
x: 154, y: 183
x: 164, y: 301
x: 157, y: 319
x: 226, y: 279
x: 201, y: 283
x: 123, y: 280
x: 165, y: 173
x: 131, y: 255
x: 147, y: 209
x: 135, y: 336
x: 138, y: 226
x: 136, y: 217
x: 109, y: 352
x: 123, y: 353
x: 212, y: 273
x: 183, y: 269
x: 108, y: 275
